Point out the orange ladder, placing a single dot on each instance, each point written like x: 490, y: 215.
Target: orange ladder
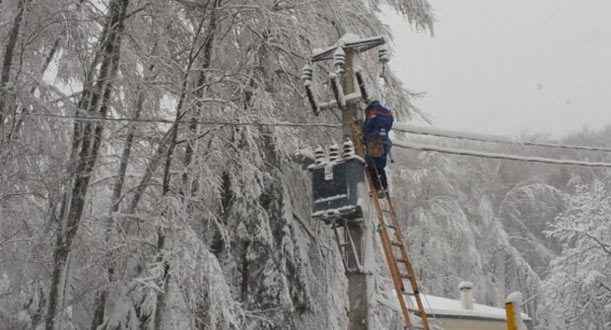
x: 393, y: 246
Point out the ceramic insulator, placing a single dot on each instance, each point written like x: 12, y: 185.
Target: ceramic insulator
x: 333, y: 153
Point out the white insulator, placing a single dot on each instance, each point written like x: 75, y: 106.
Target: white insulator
x: 339, y: 59
x: 383, y: 55
x: 333, y: 153
x: 307, y: 73
x: 339, y: 56
x: 319, y: 155
x: 348, y: 149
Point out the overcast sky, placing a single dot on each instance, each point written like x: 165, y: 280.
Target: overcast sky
x: 509, y: 67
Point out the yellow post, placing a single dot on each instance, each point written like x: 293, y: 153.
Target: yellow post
x: 512, y: 323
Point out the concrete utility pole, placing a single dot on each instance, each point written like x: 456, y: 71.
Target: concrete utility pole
x: 361, y: 232
x: 360, y: 282
x: 351, y: 192
x: 350, y: 110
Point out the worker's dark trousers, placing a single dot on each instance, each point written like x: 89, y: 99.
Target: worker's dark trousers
x: 377, y: 173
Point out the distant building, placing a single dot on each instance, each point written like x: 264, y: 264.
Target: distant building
x: 464, y: 314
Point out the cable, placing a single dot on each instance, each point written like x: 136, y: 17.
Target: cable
x: 470, y: 153
x: 487, y: 138
x: 205, y: 123
x: 434, y: 132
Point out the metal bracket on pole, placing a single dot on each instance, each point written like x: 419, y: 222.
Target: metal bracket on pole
x: 338, y: 91
x: 307, y: 74
x: 347, y: 247
x: 310, y: 96
x: 362, y: 88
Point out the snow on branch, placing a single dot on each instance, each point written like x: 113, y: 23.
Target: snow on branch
x: 418, y: 12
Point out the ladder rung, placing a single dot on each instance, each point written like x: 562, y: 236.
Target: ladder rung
x: 405, y: 261
x: 411, y: 293
x: 395, y: 243
x: 386, y: 211
x: 393, y: 227
x: 405, y: 276
x: 419, y: 313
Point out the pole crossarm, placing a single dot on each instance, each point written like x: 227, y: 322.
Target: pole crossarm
x: 358, y: 46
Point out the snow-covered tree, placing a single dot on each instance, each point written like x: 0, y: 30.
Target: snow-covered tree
x: 577, y: 293
x: 111, y: 224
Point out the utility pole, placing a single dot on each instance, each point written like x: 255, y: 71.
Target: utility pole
x: 339, y: 202
x: 348, y: 99
x: 361, y: 232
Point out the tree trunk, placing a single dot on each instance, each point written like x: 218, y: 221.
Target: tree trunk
x: 166, y: 147
x: 15, y: 130
x: 205, y: 63
x: 86, y: 145
x: 7, y: 62
x: 161, y: 239
x: 165, y: 142
x: 100, y: 305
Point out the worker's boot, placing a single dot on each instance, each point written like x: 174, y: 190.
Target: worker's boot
x: 382, y: 193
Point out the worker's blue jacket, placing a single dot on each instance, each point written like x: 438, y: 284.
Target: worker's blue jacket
x: 377, y: 126
x: 378, y: 121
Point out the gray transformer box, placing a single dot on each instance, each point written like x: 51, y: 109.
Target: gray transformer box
x: 335, y: 189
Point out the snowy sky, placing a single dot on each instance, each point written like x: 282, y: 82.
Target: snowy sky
x: 510, y: 67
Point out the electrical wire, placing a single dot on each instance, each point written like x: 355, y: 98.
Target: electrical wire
x: 488, y: 138
x: 203, y: 123
x: 490, y: 155
x: 405, y: 129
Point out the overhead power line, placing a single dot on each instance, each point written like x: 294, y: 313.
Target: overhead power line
x: 490, y: 155
x: 199, y: 122
x: 489, y: 138
x: 399, y: 128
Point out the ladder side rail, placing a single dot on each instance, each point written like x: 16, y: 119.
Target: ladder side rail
x: 390, y: 259
x: 408, y: 265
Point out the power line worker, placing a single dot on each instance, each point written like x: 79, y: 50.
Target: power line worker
x: 376, y: 129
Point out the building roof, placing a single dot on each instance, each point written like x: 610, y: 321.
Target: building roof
x: 439, y: 307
